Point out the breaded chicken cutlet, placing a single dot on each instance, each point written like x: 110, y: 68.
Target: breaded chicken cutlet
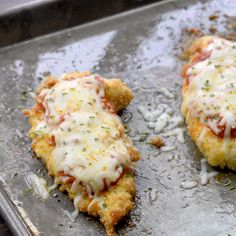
x: 209, y: 99
x: 81, y: 140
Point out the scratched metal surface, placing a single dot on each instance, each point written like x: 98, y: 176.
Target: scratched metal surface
x: 142, y: 47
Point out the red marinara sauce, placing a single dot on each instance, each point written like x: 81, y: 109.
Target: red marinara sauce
x: 222, y: 128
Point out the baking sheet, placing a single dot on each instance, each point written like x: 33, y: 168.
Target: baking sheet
x: 24, y: 19
x: 143, y: 48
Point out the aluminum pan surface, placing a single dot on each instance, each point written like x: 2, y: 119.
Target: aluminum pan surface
x: 141, y: 47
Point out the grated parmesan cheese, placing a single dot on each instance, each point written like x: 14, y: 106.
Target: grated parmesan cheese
x: 166, y: 92
x: 179, y: 132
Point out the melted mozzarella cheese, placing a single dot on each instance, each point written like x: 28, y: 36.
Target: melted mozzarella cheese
x: 212, y: 88
x: 72, y: 95
x: 89, y: 147
x: 90, y: 142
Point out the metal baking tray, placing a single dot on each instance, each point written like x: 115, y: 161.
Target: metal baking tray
x: 143, y: 47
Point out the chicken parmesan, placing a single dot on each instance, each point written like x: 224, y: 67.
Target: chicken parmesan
x: 209, y: 99
x: 81, y: 140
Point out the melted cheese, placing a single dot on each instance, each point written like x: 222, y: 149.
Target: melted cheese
x: 90, y: 142
x: 212, y: 87
x: 72, y: 95
x: 39, y: 185
x: 204, y: 175
x: 88, y: 147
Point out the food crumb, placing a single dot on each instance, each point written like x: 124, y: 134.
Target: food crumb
x: 157, y: 141
x: 234, y: 26
x: 213, y: 17
x: 193, y: 31
x: 212, y: 29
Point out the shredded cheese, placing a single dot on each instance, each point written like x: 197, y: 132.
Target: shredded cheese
x: 188, y: 184
x: 167, y: 148
x: 179, y: 132
x: 163, y: 119
x: 166, y: 92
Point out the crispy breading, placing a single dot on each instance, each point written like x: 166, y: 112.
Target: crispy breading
x: 118, y: 94
x: 157, y: 142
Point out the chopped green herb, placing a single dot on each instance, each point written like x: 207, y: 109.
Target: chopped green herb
x: 206, y: 86
x: 104, y: 205
x: 142, y: 137
x: 84, y: 149
x: 23, y: 98
x: 37, y: 133
x: 27, y: 191
x: 104, y: 127
x: 216, y: 117
x: 130, y: 174
x: 50, y: 99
